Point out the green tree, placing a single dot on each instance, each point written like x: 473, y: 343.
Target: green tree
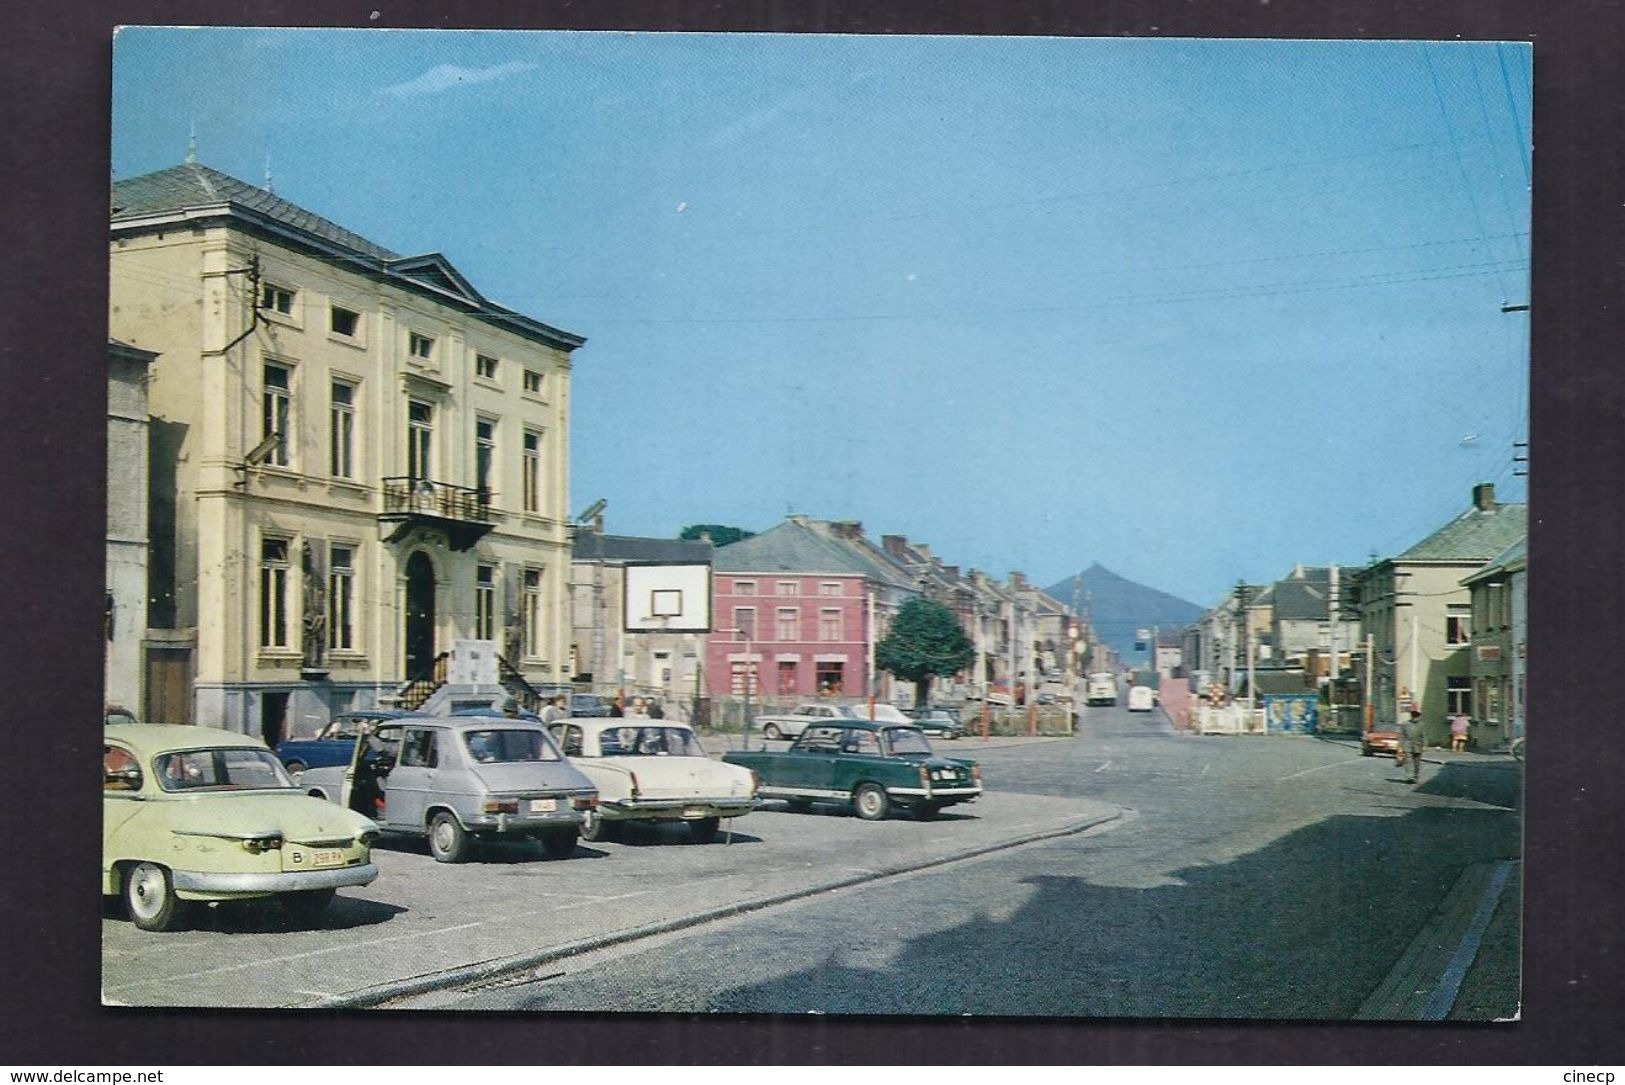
x: 721, y: 534
x: 925, y: 641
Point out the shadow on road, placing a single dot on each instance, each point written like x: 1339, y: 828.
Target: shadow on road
x: 1306, y: 927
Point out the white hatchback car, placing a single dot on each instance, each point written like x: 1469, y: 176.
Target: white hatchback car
x: 1141, y: 699
x: 652, y: 770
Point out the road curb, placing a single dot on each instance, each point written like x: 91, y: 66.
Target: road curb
x: 378, y: 994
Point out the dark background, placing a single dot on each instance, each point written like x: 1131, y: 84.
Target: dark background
x: 55, y: 78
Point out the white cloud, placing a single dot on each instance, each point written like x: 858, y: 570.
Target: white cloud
x: 448, y: 76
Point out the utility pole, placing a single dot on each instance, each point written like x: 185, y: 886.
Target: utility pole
x: 1331, y: 636
x: 1416, y: 689
x: 872, y: 678
x: 1368, y: 705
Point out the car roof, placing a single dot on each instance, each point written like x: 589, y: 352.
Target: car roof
x: 601, y: 722
x: 156, y: 737
x: 470, y: 722
x: 369, y: 714
x: 864, y: 724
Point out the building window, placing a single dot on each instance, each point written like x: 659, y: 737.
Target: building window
x: 341, y: 442
x: 485, y: 603
x: 342, y: 321
x: 530, y: 472
x: 485, y: 447
x: 419, y: 439
x: 533, y: 382
x: 787, y: 676
x: 1458, y: 627
x: 830, y: 677
x: 531, y: 612
x: 485, y: 367
x: 830, y: 626
x: 742, y: 673
x: 275, y: 413
x: 341, y: 598
x: 744, y: 587
x: 830, y: 587
x: 787, y: 623
x: 420, y: 346
x: 276, y: 299
x: 788, y: 587
x: 1458, y: 696
x: 745, y: 622
x: 273, y: 593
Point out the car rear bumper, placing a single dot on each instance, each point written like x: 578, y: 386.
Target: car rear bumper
x: 958, y: 794
x: 675, y: 809
x: 224, y: 886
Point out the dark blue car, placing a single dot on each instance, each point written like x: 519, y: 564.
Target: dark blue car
x: 333, y: 745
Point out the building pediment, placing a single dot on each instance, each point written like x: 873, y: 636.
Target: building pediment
x: 435, y: 272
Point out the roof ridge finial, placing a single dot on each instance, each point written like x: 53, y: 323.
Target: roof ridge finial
x: 191, y: 146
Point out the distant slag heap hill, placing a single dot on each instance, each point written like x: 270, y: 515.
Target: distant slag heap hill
x: 1117, y: 607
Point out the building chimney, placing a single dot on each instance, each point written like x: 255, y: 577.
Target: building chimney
x: 847, y: 529
x: 1484, y: 497
x: 895, y: 545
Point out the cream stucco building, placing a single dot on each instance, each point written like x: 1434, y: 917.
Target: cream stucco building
x: 357, y: 458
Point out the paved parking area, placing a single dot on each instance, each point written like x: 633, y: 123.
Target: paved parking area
x: 421, y: 918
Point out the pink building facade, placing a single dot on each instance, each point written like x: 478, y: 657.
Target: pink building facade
x: 790, y: 634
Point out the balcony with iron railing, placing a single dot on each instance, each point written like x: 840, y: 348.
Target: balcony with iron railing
x: 462, y: 513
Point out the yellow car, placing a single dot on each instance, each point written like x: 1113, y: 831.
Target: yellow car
x: 200, y: 814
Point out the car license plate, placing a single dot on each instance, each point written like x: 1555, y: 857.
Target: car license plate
x: 693, y: 811
x: 543, y: 806
x: 327, y: 857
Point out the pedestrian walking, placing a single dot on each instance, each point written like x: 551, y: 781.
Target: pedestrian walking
x: 1410, y: 743
x: 556, y: 709
x: 655, y: 711
x: 638, y: 710
x: 1458, y: 732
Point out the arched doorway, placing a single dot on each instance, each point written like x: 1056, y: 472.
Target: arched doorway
x: 419, y: 630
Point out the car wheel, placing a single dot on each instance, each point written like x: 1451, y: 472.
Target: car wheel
x: 304, y: 908
x: 870, y: 802
x: 560, y: 844
x: 704, y: 830
x: 596, y: 827
x: 149, y: 896
x: 448, y: 840
x: 295, y: 767
x: 799, y: 806
x: 772, y: 732
x: 927, y: 811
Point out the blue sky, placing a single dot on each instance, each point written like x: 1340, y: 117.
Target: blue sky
x: 1196, y: 310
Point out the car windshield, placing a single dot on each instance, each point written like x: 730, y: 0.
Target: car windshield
x: 223, y: 768
x: 508, y: 744
x: 649, y: 742
x: 906, y: 740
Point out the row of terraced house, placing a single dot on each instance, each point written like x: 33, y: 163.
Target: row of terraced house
x: 338, y: 477
x: 1439, y: 627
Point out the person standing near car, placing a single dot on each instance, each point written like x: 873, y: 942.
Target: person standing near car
x: 556, y: 709
x: 1410, y: 741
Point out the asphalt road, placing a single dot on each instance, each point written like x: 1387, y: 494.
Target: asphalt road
x: 1129, y: 871
x: 1250, y: 877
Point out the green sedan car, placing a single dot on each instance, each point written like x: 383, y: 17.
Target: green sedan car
x: 195, y: 814
x: 871, y: 764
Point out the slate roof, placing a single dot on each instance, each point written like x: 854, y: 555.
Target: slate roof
x: 1476, y: 535
x: 192, y: 186
x: 618, y: 549
x: 1303, y: 599
x: 799, y: 545
x: 1511, y: 559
